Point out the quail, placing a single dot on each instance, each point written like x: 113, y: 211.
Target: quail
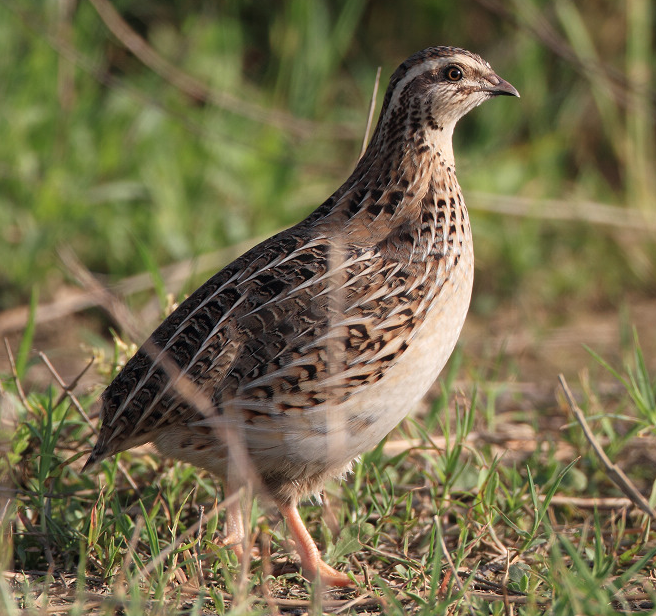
x: 308, y: 349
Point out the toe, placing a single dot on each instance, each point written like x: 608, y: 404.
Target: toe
x: 332, y: 577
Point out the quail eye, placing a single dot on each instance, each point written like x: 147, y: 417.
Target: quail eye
x: 453, y: 73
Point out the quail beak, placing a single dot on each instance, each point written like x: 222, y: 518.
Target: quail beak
x: 500, y: 86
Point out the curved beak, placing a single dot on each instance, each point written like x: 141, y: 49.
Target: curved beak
x: 500, y: 86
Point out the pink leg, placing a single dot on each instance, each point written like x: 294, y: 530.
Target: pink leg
x: 311, y: 563
x: 235, y: 529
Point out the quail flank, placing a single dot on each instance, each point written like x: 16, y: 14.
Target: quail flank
x: 308, y: 349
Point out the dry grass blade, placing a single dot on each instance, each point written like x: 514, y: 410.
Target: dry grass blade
x: 114, y: 306
x: 331, y: 604
x: 67, y: 390
x: 366, y: 599
x: 14, y: 374
x: 76, y: 300
x: 370, y: 117
x: 615, y: 473
x: 591, y: 503
x: 561, y: 209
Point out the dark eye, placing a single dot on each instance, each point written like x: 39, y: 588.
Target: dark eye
x: 453, y: 73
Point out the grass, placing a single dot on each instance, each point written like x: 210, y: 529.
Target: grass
x: 490, y: 500
x: 509, y: 508
x: 139, y: 166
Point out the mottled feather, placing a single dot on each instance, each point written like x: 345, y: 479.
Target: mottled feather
x: 315, y: 343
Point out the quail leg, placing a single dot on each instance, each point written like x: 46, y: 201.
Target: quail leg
x: 234, y: 529
x: 311, y: 563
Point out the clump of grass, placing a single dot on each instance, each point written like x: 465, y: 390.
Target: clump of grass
x: 435, y: 516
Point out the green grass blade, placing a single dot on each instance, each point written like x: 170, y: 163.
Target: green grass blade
x: 23, y: 355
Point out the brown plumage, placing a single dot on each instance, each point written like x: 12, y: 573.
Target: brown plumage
x: 309, y: 348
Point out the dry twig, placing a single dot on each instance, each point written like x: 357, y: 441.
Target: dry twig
x: 454, y: 571
x: 615, y: 473
x: 68, y: 392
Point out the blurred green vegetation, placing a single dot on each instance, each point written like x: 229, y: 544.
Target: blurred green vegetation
x: 102, y: 153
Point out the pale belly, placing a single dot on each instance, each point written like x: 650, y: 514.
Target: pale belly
x: 323, y: 441
x: 370, y: 414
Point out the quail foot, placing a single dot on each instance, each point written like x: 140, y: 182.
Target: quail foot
x: 309, y: 348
